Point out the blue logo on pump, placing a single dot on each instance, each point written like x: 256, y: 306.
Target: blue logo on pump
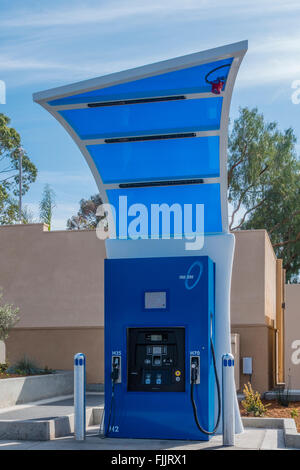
x: 198, y: 268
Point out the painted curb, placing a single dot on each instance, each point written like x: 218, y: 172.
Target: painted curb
x: 291, y: 436
x: 45, y: 429
x: 22, y: 390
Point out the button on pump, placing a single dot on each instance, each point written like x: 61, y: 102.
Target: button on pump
x: 148, y: 379
x: 156, y: 360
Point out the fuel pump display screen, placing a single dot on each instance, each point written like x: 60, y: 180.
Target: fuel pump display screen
x: 155, y: 300
x: 155, y: 337
x: 156, y: 359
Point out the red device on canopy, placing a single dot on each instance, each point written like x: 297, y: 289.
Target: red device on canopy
x: 218, y: 83
x: 217, y: 86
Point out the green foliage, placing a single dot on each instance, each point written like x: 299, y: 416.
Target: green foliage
x: 10, y: 143
x: 47, y: 370
x: 47, y: 205
x: 8, y: 317
x: 11, y: 213
x: 86, y: 218
x: 294, y: 413
x: 3, y: 367
x: 252, y: 403
x: 27, y: 216
x: 24, y: 366
x: 264, y: 184
x: 27, y: 366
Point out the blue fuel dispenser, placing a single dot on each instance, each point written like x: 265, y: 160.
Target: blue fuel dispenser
x: 160, y: 379
x: 155, y: 139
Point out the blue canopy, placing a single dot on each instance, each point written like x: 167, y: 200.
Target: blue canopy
x: 158, y: 133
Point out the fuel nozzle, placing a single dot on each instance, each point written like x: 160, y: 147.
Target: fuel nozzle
x: 195, y: 369
x: 116, y: 369
x: 115, y: 374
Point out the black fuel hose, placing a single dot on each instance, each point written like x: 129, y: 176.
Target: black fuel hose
x: 111, y: 402
x: 204, y: 431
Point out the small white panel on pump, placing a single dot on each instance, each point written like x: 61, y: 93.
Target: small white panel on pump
x: 154, y: 300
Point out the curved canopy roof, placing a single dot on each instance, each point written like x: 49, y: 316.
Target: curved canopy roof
x: 158, y: 133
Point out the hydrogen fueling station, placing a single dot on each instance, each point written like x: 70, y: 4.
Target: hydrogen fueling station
x: 155, y: 139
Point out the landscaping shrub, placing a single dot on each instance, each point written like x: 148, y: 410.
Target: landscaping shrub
x: 252, y: 403
x: 3, y: 367
x: 294, y: 413
x: 26, y: 366
x: 8, y: 317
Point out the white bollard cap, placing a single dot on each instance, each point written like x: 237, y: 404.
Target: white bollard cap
x: 228, y: 360
x: 79, y: 359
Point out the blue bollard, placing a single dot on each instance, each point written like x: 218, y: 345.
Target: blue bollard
x: 79, y: 396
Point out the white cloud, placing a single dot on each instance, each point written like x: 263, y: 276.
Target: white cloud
x: 16, y: 64
x: 267, y: 68
x: 99, y: 14
x: 63, y: 177
x: 59, y: 71
x: 270, y: 59
x: 85, y: 14
x: 266, y: 62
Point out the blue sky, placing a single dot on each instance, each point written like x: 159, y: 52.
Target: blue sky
x: 50, y: 43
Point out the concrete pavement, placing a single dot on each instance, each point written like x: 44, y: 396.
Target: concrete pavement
x: 47, y: 409
x: 251, y: 439
x: 47, y: 419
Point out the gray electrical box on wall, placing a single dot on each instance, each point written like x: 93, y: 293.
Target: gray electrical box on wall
x: 247, y: 365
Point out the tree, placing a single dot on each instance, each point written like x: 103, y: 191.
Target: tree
x: 8, y: 318
x: 264, y: 184
x: 10, y: 145
x: 11, y: 214
x: 47, y: 205
x: 27, y: 216
x: 86, y: 218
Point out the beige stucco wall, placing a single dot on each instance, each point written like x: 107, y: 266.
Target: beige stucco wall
x: 292, y: 335
x: 55, y: 348
x: 248, y: 278
x: 55, y: 277
x: 256, y: 342
x: 253, y: 305
x: 253, y: 290
x: 57, y: 280
x: 270, y: 281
